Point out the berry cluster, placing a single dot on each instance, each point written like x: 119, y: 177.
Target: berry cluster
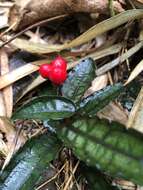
x: 55, y: 71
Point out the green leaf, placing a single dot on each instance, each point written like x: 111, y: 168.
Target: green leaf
x: 29, y: 163
x: 108, y: 146
x: 129, y: 95
x: 94, y: 103
x: 79, y: 80
x: 46, y: 107
x: 96, y: 180
x: 47, y: 89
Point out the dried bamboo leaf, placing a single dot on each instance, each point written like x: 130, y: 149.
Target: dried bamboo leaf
x: 120, y: 59
x: 114, y: 112
x: 7, y: 92
x: 136, y: 116
x: 17, y: 74
x: 2, y: 106
x: 99, y: 54
x: 3, y: 148
x: 97, y: 84
x: 137, y: 70
x: 25, y: 70
x: 94, y: 31
x: 11, y: 134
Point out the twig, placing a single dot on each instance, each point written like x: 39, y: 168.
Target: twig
x: 112, y: 13
x: 71, y: 176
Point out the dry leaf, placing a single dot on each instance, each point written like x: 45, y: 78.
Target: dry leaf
x: 128, y: 185
x: 114, y: 112
x: 13, y: 141
x: 137, y: 70
x: 141, y: 1
x: 119, y: 59
x: 2, y: 105
x: 136, y: 116
x: 27, y: 12
x: 138, y: 3
x: 7, y: 92
x: 4, y: 11
x: 90, y: 34
x: 27, y: 69
x: 97, y: 84
x: 17, y: 74
x: 3, y: 148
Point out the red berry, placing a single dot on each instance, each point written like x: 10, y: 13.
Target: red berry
x: 59, y: 62
x: 58, y: 75
x: 45, y: 69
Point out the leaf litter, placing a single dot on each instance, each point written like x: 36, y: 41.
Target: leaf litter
x: 117, y: 59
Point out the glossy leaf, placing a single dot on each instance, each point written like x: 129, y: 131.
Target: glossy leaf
x: 29, y: 163
x: 108, y: 146
x: 129, y: 95
x: 47, y: 89
x: 46, y: 107
x: 79, y: 80
x: 94, y: 103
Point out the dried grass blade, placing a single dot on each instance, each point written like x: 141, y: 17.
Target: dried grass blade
x: 120, y: 59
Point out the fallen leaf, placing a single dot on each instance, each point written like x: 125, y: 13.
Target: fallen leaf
x: 97, y: 84
x: 17, y: 74
x: 3, y: 148
x: 29, y: 68
x: 7, y: 92
x: 124, y: 184
x: 114, y: 112
x: 90, y: 34
x: 138, y: 3
x: 137, y: 70
x: 14, y: 140
x: 2, y: 106
x: 136, y: 116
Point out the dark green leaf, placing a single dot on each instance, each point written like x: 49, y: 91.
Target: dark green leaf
x: 108, y: 146
x: 29, y: 163
x: 94, y: 103
x: 79, y: 80
x: 96, y: 180
x: 128, y: 97
x: 46, y: 107
x: 47, y: 89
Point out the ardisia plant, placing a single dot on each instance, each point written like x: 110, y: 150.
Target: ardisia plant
x: 107, y: 146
